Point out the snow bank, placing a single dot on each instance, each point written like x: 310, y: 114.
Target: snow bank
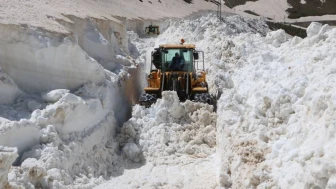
x: 102, y: 39
x: 7, y: 157
x: 65, y: 124
x: 275, y: 124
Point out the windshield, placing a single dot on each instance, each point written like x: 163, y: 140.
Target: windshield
x: 177, y: 60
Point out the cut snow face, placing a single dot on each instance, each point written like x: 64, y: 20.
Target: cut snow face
x: 38, y: 61
x: 62, y: 126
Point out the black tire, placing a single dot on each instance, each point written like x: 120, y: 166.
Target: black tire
x: 147, y: 99
x: 203, y: 98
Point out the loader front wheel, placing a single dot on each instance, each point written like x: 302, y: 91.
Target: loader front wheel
x: 203, y: 98
x: 147, y: 99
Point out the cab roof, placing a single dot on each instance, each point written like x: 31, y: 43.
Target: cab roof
x: 172, y: 46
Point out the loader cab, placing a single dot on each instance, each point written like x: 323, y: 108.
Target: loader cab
x: 152, y: 30
x: 189, y: 81
x: 162, y: 58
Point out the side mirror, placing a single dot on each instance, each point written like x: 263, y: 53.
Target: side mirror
x: 195, y: 56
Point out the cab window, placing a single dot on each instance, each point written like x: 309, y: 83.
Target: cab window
x: 185, y: 54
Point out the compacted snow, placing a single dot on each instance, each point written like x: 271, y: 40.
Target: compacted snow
x: 67, y: 107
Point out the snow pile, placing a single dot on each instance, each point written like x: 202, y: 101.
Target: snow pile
x: 7, y: 157
x: 275, y: 126
x: 170, y: 128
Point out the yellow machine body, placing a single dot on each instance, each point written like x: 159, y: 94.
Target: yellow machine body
x: 152, y: 30
x: 188, y: 80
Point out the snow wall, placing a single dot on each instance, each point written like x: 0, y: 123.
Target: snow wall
x: 63, y: 96
x: 275, y: 123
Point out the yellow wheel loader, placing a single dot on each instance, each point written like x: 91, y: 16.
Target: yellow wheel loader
x: 187, y: 77
x: 152, y: 30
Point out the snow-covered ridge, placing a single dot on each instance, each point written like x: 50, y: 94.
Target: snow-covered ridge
x: 46, y: 14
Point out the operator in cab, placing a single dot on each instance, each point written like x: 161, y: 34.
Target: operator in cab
x: 176, y: 62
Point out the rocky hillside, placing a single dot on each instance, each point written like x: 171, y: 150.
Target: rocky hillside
x: 311, y: 8
x: 298, y: 8
x: 232, y: 4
